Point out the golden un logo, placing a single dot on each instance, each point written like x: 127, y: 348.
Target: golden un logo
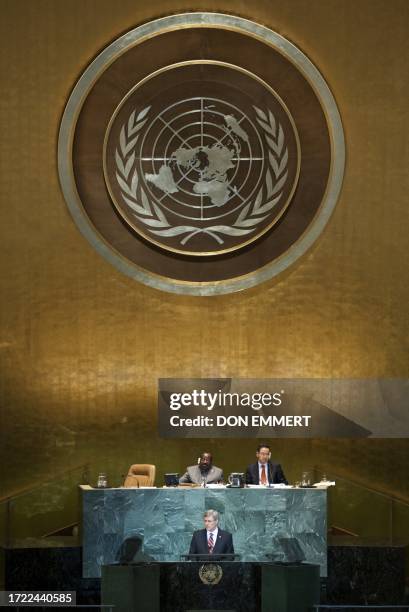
x: 201, y: 153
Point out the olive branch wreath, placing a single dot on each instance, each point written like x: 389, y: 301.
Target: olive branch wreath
x: 149, y: 213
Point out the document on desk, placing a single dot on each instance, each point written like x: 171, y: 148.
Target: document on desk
x: 272, y: 486
x: 324, y: 485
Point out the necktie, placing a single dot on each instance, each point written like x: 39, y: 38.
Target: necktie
x: 210, y: 543
x: 263, y: 474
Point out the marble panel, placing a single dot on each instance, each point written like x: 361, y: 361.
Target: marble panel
x: 167, y: 518
x: 311, y: 499
x: 278, y: 501
x: 367, y: 574
x: 216, y: 500
x: 234, y: 520
x: 250, y: 546
x: 156, y: 544
x: 112, y: 545
x: 93, y: 516
x: 139, y: 531
x: 314, y: 549
x: 116, y: 508
x: 256, y: 502
x: 134, y: 512
x: 236, y: 499
x: 194, y: 507
x: 173, y: 500
x: 276, y: 523
x: 255, y: 520
x: 133, y: 524
x: 301, y: 522
x: 50, y: 569
x: 155, y: 504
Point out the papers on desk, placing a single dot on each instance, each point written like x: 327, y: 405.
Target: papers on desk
x: 272, y: 486
x: 138, y: 487
x: 324, y: 484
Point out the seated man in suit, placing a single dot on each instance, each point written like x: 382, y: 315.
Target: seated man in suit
x: 211, y: 540
x: 204, y: 472
x: 264, y: 471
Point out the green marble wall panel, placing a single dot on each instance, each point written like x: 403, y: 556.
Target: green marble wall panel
x: 166, y: 518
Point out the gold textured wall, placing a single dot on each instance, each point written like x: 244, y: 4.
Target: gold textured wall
x: 82, y: 346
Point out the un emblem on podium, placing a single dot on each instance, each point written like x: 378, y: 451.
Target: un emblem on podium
x: 201, y: 153
x: 210, y: 573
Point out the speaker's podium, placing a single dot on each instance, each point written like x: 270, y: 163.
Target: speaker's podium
x: 114, y: 518
x: 193, y: 586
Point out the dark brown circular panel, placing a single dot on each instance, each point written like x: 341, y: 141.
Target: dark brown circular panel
x: 201, y: 157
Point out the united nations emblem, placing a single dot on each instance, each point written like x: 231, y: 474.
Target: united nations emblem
x: 201, y: 153
x: 202, y: 174
x: 210, y: 573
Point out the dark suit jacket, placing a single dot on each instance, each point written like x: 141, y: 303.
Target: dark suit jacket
x: 274, y: 474
x: 223, y: 545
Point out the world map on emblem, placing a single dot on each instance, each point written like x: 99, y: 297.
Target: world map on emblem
x: 206, y: 165
x: 202, y: 174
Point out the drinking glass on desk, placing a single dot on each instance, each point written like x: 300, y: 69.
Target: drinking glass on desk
x: 234, y: 480
x: 306, y: 479
x: 102, y: 482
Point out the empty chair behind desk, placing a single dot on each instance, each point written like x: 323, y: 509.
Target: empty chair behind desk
x: 140, y: 475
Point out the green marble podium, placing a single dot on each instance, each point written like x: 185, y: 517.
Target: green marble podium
x: 166, y: 519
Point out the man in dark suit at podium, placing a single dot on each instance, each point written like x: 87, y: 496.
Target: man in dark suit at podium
x: 264, y: 471
x: 211, y: 540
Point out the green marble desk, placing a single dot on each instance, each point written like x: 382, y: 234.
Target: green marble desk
x: 166, y: 518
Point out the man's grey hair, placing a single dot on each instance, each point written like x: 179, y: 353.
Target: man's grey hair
x: 213, y: 514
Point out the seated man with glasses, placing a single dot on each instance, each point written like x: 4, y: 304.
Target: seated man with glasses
x: 264, y: 471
